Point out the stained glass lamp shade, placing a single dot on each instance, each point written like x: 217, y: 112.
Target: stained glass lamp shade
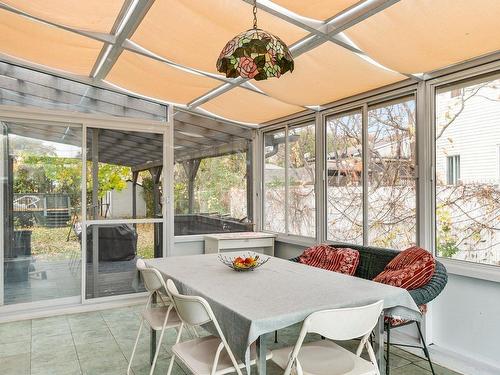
x: 255, y: 54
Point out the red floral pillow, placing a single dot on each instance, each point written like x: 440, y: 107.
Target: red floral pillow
x: 410, y: 269
x: 343, y: 260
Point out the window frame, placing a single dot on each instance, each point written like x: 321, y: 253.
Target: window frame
x: 474, y: 74
x: 424, y: 90
x: 453, y: 169
x: 363, y: 106
x: 285, y: 126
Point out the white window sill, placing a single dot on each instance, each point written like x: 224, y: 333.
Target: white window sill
x: 470, y: 269
x: 189, y: 238
x: 294, y: 240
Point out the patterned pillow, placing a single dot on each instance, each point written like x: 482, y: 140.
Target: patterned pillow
x: 410, y: 269
x: 343, y: 260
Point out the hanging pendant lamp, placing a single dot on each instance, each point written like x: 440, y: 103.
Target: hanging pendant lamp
x: 255, y: 54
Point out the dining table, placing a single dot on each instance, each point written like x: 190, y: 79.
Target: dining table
x: 251, y: 305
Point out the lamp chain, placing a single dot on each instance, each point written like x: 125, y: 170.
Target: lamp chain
x: 255, y: 14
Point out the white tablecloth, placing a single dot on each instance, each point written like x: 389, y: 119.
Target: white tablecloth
x: 274, y: 296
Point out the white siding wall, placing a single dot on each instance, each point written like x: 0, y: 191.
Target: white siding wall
x: 121, y: 203
x: 474, y: 135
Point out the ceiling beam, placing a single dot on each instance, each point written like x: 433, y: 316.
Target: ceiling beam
x: 130, y: 20
x: 318, y: 34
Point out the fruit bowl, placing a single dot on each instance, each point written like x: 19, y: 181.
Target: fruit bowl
x: 245, y: 262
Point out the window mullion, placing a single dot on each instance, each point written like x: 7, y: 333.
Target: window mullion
x: 365, y: 166
x: 287, y: 156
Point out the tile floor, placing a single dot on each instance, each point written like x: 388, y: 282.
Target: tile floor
x: 100, y: 343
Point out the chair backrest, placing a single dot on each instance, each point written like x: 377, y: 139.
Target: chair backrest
x: 153, y: 281
x: 344, y: 324
x: 192, y: 310
x: 339, y: 324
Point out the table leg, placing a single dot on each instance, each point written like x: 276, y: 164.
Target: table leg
x: 261, y: 354
x: 379, y: 344
x: 152, y: 338
x: 152, y: 346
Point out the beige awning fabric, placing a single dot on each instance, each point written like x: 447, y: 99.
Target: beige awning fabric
x: 316, y: 9
x: 156, y: 79
x: 247, y: 106
x: 418, y: 37
x: 193, y: 32
x: 88, y: 15
x: 406, y: 37
x: 46, y: 45
x: 325, y: 74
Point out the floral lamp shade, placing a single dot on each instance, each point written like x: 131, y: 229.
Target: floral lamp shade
x: 255, y: 54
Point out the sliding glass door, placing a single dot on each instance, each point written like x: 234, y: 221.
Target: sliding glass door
x: 124, y: 210
x: 80, y: 205
x: 41, y: 164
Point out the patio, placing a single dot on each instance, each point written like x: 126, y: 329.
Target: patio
x: 99, y: 343
x: 353, y: 144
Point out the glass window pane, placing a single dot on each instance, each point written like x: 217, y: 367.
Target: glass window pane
x: 128, y: 169
x: 274, y: 181
x: 468, y: 171
x: 41, y: 173
x: 111, y: 259
x: 301, y: 180
x: 212, y: 177
x: 344, y: 161
x: 392, y: 216
x: 216, y: 200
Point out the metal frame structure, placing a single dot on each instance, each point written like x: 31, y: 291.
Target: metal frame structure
x: 133, y: 12
x: 101, y: 122
x: 424, y: 94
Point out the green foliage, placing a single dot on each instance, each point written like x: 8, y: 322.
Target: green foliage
x: 51, y: 174
x: 147, y: 193
x: 446, y: 242
x: 216, y: 177
x: 112, y: 177
x: 214, y: 180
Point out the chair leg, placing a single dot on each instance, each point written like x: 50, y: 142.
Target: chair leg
x: 275, y: 337
x: 135, y: 347
x: 158, y: 345
x: 424, y: 347
x: 172, y: 360
x: 387, y: 366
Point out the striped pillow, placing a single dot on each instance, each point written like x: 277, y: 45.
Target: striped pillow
x: 410, y: 269
x: 343, y: 260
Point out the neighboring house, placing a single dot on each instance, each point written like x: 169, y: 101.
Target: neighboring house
x: 468, y: 151
x: 120, y: 202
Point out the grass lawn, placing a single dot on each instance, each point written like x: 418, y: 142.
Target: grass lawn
x: 52, y: 244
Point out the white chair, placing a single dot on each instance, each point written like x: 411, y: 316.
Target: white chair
x: 326, y: 357
x: 160, y: 317
x: 210, y: 355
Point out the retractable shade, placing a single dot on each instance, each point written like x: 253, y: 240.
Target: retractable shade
x: 189, y: 32
x: 418, y: 37
x: 89, y: 15
x: 317, y: 9
x: 244, y: 105
x: 167, y: 49
x: 47, y: 45
x: 332, y: 73
x: 155, y: 79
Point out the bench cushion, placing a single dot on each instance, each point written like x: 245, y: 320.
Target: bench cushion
x: 343, y: 260
x: 410, y: 269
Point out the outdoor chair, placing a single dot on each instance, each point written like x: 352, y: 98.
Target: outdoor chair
x: 159, y: 317
x: 325, y: 356
x: 209, y: 355
x: 373, y: 261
